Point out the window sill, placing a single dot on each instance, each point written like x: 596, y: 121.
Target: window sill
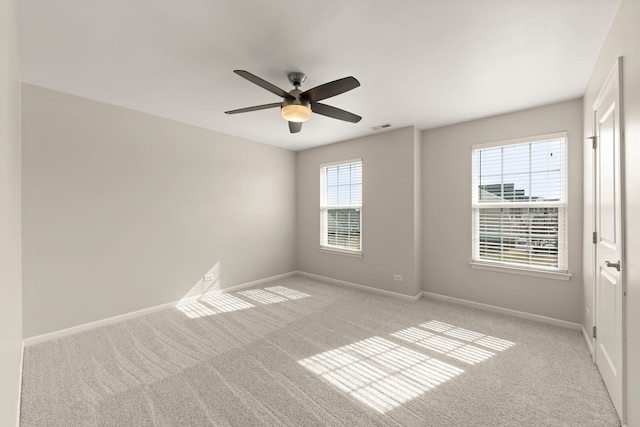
x: 555, y: 275
x: 327, y: 250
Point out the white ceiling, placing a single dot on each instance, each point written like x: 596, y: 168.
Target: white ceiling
x: 426, y: 63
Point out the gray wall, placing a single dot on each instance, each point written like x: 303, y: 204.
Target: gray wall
x: 622, y: 41
x: 446, y: 209
x: 10, y: 270
x: 124, y: 211
x: 389, y: 237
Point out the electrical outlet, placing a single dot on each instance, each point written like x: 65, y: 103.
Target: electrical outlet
x: 397, y: 277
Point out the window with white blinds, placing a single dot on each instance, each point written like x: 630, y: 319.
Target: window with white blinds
x: 341, y: 206
x: 520, y: 203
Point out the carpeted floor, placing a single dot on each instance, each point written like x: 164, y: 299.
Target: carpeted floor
x: 300, y: 352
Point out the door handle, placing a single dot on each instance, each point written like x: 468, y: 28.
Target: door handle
x: 615, y: 265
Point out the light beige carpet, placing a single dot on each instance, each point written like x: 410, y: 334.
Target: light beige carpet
x: 299, y: 352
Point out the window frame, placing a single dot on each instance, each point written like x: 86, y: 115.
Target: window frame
x: 561, y: 272
x: 324, y: 207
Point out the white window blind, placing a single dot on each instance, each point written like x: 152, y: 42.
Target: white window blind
x: 520, y: 203
x: 341, y: 206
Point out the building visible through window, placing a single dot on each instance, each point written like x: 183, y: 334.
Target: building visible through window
x: 519, y: 203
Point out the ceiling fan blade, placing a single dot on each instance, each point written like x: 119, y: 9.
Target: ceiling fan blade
x: 255, y: 108
x: 263, y: 83
x: 334, y: 113
x: 330, y: 89
x: 295, y: 127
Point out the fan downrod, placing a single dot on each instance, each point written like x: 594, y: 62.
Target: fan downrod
x: 296, y: 78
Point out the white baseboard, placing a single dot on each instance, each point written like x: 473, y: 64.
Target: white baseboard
x: 96, y: 324
x: 131, y: 315
x: 493, y: 308
x: 588, y: 340
x: 501, y: 310
x: 20, y: 386
x: 362, y: 287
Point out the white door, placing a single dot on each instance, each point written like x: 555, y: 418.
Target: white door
x: 608, y: 226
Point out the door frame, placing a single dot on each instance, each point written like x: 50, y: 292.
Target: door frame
x: 615, y: 77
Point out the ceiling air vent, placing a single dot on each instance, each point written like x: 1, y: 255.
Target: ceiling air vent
x: 384, y: 126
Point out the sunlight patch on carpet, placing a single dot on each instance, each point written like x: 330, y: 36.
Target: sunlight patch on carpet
x: 209, y: 305
x: 273, y: 294
x: 439, y: 337
x: 286, y: 292
x: 216, y: 302
x: 225, y: 303
x: 380, y: 373
x: 467, y: 335
x: 262, y: 296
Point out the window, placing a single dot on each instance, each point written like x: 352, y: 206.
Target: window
x: 520, y: 203
x: 341, y: 206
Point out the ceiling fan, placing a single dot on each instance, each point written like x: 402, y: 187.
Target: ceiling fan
x: 296, y: 106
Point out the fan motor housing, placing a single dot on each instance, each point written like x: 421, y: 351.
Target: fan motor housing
x: 297, y: 99
x: 296, y: 78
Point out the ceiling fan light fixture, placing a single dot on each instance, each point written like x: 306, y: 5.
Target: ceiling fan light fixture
x: 296, y: 112
x: 296, y: 104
